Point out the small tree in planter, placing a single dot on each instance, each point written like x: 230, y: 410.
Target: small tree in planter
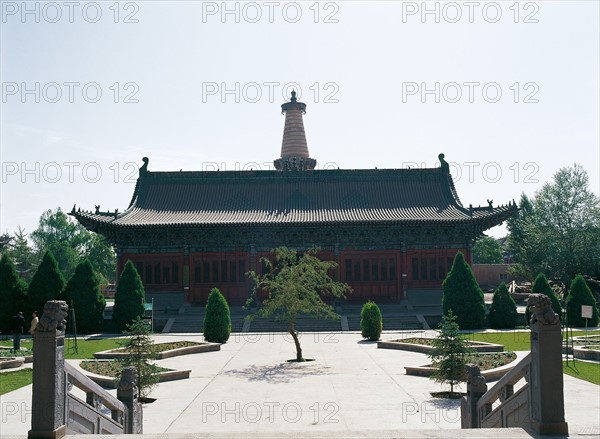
x: 141, y: 351
x: 217, y: 321
x: 503, y: 312
x: 580, y: 294
x: 448, y: 353
x: 371, y: 322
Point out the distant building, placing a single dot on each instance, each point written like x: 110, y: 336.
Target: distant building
x: 393, y: 232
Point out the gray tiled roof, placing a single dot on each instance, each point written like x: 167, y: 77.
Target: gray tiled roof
x: 295, y: 197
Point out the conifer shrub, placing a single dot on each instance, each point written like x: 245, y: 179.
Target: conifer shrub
x: 371, y: 322
x: 217, y: 321
x: 541, y: 286
x: 129, y: 297
x: 13, y: 293
x: 580, y: 294
x: 46, y: 284
x: 83, y: 295
x: 503, y: 312
x: 463, y: 295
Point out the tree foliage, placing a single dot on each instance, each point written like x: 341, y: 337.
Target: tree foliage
x: 503, y: 312
x: 70, y: 242
x: 541, y: 286
x: 463, y: 296
x: 558, y: 232
x: 487, y: 250
x: 580, y: 294
x: 23, y: 255
x: 448, y: 353
x: 129, y: 297
x: 141, y: 353
x: 13, y: 292
x: 83, y: 295
x: 47, y: 284
x: 294, y: 284
x: 371, y: 322
x: 217, y: 321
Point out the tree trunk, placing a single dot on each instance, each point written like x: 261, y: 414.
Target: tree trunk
x: 292, y: 332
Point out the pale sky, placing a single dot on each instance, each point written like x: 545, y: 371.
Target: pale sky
x: 509, y: 92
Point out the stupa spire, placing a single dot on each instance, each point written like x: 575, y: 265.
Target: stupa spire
x: 294, y: 149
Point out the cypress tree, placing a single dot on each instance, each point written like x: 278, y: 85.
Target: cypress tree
x: 503, y: 312
x: 541, y: 286
x: 83, y: 294
x: 13, y: 293
x: 129, y: 297
x: 47, y: 284
x: 371, y: 322
x: 217, y: 321
x: 580, y: 294
x: 463, y: 296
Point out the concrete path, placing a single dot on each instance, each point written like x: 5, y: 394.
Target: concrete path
x: 248, y: 387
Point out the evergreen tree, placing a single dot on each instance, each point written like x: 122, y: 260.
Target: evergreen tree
x: 83, y: 295
x: 47, y: 284
x: 22, y: 254
x: 129, y: 297
x: 503, y: 312
x: 541, y: 286
x: 141, y: 351
x: 13, y: 292
x: 371, y: 322
x: 217, y: 321
x: 463, y: 296
x: 449, y: 353
x: 580, y: 294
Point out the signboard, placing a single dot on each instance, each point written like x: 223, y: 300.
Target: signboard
x: 586, y: 311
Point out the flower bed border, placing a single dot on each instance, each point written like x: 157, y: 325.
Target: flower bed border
x: 479, y: 346
x: 11, y: 362
x: 489, y: 375
x: 111, y: 383
x: 111, y: 354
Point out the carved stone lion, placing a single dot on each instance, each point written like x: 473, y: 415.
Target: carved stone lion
x: 128, y: 378
x: 540, y: 306
x: 475, y: 381
x: 53, y: 319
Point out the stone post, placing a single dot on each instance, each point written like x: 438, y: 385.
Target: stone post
x: 547, y: 401
x: 476, y: 388
x: 127, y: 393
x: 49, y: 387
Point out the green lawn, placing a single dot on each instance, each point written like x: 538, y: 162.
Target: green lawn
x: 512, y: 340
x: 583, y: 370
x: 86, y: 347
x: 10, y: 381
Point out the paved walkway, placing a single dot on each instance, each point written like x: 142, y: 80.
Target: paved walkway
x: 351, y: 386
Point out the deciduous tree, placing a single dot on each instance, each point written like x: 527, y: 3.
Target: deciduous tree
x: 295, y: 285
x: 487, y: 250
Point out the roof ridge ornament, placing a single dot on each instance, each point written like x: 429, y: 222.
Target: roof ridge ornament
x: 144, y: 168
x: 443, y: 163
